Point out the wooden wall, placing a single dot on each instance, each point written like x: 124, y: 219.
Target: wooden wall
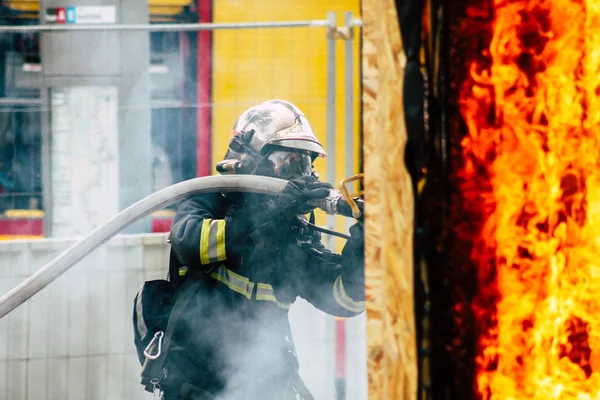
x: 391, y: 340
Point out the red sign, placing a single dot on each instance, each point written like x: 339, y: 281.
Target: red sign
x: 61, y: 15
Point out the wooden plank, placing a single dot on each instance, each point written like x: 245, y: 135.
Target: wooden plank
x: 391, y: 336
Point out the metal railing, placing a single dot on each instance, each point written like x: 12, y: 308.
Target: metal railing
x: 332, y: 34
x: 164, y: 27
x: 119, y: 270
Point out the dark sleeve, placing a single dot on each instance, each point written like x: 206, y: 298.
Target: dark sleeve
x: 335, y: 284
x: 198, y: 234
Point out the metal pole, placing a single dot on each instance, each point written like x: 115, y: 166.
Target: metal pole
x: 340, y: 382
x: 46, y: 162
x: 331, y: 178
x: 330, y: 109
x: 164, y: 27
x: 349, y: 95
x: 340, y: 359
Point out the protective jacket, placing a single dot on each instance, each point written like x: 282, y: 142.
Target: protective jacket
x: 233, y: 340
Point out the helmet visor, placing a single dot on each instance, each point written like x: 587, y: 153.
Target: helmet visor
x: 289, y: 164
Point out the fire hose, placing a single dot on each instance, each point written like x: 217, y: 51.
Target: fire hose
x: 335, y: 203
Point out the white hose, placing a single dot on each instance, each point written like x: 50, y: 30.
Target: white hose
x: 100, y: 235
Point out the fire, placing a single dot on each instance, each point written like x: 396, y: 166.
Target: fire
x: 532, y: 154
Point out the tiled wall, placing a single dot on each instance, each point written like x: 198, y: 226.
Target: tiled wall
x: 73, y: 340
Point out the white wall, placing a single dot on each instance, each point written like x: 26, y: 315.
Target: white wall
x: 74, y: 340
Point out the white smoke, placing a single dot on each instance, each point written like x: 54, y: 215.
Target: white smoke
x: 254, y: 367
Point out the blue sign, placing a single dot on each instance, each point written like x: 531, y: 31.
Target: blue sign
x: 70, y: 15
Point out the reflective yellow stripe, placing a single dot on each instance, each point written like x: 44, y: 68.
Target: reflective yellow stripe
x: 264, y: 291
x: 204, y: 236
x: 212, y: 241
x: 340, y: 296
x: 235, y: 282
x: 241, y: 284
x: 221, y: 240
x: 183, y: 271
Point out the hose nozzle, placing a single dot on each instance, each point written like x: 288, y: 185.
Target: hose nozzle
x: 336, y: 204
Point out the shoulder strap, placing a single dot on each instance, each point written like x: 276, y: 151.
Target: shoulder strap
x: 173, y: 274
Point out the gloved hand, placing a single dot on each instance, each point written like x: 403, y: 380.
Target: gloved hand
x: 292, y: 200
x: 251, y: 228
x: 355, y: 246
x: 353, y: 254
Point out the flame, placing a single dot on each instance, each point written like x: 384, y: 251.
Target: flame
x: 532, y: 155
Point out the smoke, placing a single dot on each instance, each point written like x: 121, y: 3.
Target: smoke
x: 242, y: 346
x: 256, y: 366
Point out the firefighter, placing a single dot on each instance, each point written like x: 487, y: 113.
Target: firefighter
x: 252, y: 257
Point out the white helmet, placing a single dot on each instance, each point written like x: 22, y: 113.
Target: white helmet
x: 278, y: 133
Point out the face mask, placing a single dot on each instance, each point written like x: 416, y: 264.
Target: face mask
x: 289, y: 164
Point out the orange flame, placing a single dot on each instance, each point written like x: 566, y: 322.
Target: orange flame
x: 533, y: 119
